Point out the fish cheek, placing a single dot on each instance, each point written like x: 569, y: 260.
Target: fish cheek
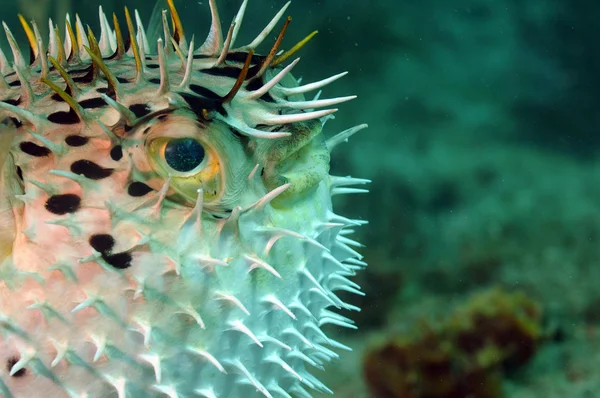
x: 302, y: 161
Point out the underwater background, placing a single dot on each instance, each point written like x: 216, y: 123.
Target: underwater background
x: 484, y: 206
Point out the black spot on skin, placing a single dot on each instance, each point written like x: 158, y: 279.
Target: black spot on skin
x: 138, y: 189
x: 197, y: 104
x: 140, y: 110
x: 105, y: 90
x: 154, y: 80
x: 64, y: 117
x: 102, y: 243
x: 236, y: 133
x: 16, y: 121
x: 127, y: 42
x: 118, y: 260
x: 241, y: 57
x: 253, y: 71
x: 16, y: 83
x: 93, y: 103
x: 32, y: 149
x: 13, y: 102
x: 11, y: 362
x: 227, y: 71
x: 244, y: 140
x: 256, y: 84
x: 80, y: 71
x: 116, y: 153
x: 90, y: 170
x: 122, y: 80
x: 20, y: 173
x: 31, y: 56
x: 146, y: 130
x: 57, y: 98
x: 153, y: 66
x: 203, y: 91
x: 63, y: 204
x: 114, y: 56
x: 262, y: 172
x: 162, y: 117
x: 76, y: 140
x: 87, y: 78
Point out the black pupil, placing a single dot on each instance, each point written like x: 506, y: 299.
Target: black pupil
x: 184, y: 154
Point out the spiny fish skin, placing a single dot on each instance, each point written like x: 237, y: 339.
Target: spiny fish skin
x: 166, y: 218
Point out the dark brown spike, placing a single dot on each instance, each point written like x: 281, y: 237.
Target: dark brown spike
x: 226, y: 45
x: 134, y: 43
x: 96, y: 50
x: 72, y: 86
x: 240, y: 80
x: 67, y: 98
x: 113, y: 83
x: 74, y: 56
x: 262, y: 68
x: 60, y: 56
x: 93, y: 42
x: 119, y: 36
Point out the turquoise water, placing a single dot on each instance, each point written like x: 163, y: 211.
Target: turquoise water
x: 483, y: 151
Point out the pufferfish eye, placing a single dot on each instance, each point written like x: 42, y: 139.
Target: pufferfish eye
x: 191, y: 164
x: 183, y: 154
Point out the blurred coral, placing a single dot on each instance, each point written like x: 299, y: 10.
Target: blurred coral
x: 463, y: 356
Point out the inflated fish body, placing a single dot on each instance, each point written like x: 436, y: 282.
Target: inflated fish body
x: 166, y: 220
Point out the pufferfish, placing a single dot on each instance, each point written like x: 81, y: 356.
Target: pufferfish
x: 166, y: 217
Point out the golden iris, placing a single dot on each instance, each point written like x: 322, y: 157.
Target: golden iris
x: 191, y: 166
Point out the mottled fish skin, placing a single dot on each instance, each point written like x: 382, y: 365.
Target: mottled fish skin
x: 166, y: 219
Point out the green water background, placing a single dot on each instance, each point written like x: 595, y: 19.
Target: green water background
x: 483, y: 150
